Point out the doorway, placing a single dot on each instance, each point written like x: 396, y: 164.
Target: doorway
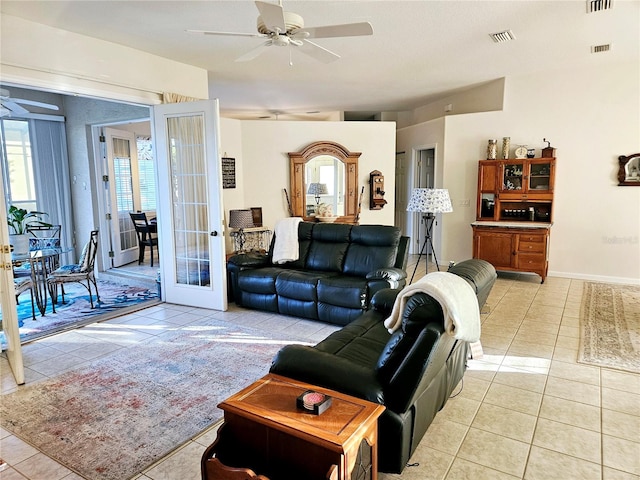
x: 126, y: 167
x: 423, y: 177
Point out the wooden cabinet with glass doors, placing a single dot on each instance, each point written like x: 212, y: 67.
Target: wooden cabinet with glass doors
x: 514, y: 213
x: 512, y: 189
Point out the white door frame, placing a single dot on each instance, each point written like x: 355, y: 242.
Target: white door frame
x: 415, y: 226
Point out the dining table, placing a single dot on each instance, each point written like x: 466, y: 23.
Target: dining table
x: 42, y: 263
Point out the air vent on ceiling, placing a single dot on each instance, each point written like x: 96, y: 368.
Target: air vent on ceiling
x: 599, y: 5
x: 601, y: 48
x: 505, y: 36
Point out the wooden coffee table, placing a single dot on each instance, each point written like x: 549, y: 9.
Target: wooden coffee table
x: 265, y: 436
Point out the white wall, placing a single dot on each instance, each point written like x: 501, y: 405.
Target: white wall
x: 37, y: 55
x: 409, y: 140
x: 262, y: 161
x: 591, y: 116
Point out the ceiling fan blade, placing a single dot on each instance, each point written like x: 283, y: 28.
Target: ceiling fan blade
x: 319, y: 53
x: 235, y: 34
x: 251, y: 54
x: 33, y: 103
x: 272, y: 16
x: 328, y: 31
x: 13, y: 107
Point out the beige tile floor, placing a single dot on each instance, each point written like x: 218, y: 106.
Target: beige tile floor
x: 526, y: 410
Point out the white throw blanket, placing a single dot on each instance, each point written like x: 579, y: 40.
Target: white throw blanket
x: 285, y: 247
x: 456, y: 297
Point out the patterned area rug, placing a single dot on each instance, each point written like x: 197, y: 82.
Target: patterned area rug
x: 115, y: 299
x: 610, y: 326
x: 112, y: 419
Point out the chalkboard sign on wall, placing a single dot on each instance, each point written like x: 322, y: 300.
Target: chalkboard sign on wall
x: 228, y: 172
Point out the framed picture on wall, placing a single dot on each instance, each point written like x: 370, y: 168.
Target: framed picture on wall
x: 228, y: 172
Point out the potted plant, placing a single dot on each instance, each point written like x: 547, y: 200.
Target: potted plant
x: 19, y: 220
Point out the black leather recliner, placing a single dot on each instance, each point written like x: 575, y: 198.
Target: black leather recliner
x: 340, y: 268
x: 412, y: 371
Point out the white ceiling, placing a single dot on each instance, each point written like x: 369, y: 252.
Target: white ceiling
x: 420, y: 50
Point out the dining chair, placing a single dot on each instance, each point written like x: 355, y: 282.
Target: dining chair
x: 145, y: 233
x: 40, y: 238
x: 81, y: 272
x: 21, y: 285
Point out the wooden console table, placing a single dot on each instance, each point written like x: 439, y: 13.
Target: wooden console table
x: 265, y: 436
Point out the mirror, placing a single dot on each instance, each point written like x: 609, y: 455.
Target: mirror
x: 324, y: 182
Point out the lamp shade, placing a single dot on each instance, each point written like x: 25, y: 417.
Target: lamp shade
x: 430, y: 200
x: 240, y: 218
x: 318, y: 189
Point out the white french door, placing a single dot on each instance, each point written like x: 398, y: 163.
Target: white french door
x: 190, y: 216
x: 8, y: 298
x: 122, y: 159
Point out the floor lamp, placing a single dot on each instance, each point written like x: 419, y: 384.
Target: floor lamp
x: 429, y: 201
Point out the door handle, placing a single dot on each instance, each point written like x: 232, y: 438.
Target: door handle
x: 214, y: 233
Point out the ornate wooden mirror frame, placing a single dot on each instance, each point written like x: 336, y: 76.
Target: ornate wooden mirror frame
x: 629, y: 170
x: 297, y: 162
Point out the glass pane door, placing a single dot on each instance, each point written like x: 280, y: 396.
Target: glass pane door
x: 190, y: 216
x: 121, y: 153
x: 189, y: 200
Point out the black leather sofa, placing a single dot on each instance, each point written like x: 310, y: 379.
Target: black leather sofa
x: 340, y: 268
x: 412, y: 371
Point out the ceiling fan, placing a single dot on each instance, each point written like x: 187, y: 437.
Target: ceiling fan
x: 284, y: 29
x: 13, y: 106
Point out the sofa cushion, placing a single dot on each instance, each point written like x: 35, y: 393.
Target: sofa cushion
x: 261, y: 280
x: 297, y: 308
x: 359, y: 342
x: 372, y: 247
x: 328, y: 247
x: 299, y: 284
x: 259, y: 301
x: 343, y: 291
x: 304, y: 242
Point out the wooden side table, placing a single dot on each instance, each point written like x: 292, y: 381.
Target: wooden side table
x: 265, y: 436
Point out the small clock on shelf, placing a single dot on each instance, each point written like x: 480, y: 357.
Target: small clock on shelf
x: 521, y: 151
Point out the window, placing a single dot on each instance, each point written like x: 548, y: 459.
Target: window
x: 17, y: 164
x: 146, y: 172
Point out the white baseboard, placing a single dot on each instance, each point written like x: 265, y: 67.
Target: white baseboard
x: 595, y: 278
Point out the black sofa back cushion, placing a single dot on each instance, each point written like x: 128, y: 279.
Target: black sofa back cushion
x: 420, y: 310
x: 372, y: 247
x: 328, y: 247
x: 304, y: 241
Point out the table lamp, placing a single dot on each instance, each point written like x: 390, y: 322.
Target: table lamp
x: 317, y: 189
x: 241, y: 219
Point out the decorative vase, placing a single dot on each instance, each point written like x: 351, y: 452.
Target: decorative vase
x: 506, y: 143
x: 20, y: 243
x: 492, y: 150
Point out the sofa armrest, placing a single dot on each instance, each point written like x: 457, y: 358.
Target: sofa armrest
x: 384, y: 300
x: 238, y: 263
x: 390, y: 274
x: 327, y: 370
x: 249, y: 260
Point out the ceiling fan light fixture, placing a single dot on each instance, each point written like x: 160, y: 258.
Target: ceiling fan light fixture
x: 292, y: 21
x: 283, y: 29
